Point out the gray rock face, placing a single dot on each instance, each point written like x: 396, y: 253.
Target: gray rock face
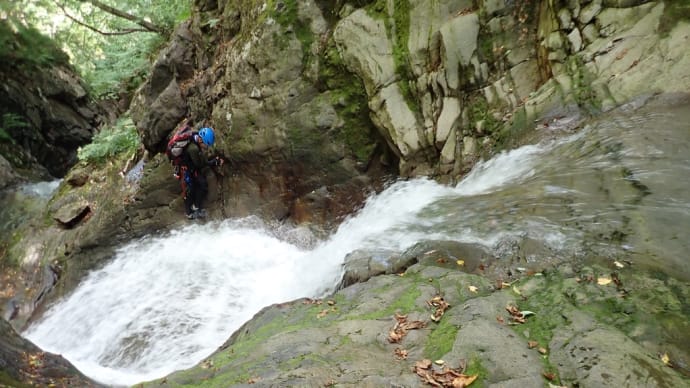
x: 159, y: 105
x: 348, y: 338
x: 24, y: 364
x: 48, y: 115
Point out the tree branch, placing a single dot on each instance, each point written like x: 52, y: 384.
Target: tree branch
x: 94, y: 29
x: 114, y: 11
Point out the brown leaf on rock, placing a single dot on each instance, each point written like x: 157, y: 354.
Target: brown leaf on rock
x: 394, y: 337
x: 400, y: 354
x: 463, y: 381
x: 532, y: 344
x: 402, y: 326
x: 443, y: 378
x: 517, y: 316
x: 440, y: 306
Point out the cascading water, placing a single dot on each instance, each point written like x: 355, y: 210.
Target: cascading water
x: 618, y: 187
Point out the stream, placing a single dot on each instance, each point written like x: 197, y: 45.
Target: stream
x: 617, y: 189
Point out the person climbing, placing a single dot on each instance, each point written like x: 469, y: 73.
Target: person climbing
x: 192, y: 163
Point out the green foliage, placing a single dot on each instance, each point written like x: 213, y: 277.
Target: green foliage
x: 25, y: 46
x: 479, y: 110
x: 109, y: 63
x: 124, y: 67
x: 10, y: 121
x: 111, y: 141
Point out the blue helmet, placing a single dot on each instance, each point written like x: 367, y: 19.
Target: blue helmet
x: 207, y: 136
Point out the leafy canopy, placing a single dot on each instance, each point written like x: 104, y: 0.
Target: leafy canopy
x: 110, y: 42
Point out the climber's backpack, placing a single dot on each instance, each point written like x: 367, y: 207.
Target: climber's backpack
x: 176, y: 145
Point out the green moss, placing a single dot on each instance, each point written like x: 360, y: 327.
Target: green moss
x: 287, y: 15
x: 512, y: 134
x: 236, y: 364
x: 546, y: 303
x: 440, y: 340
x: 349, y: 98
x: 479, y: 110
x: 674, y: 12
x: 398, y: 28
x: 582, y: 79
x: 404, y: 303
x: 345, y: 340
x: 296, y: 362
x: 8, y: 381
x: 475, y: 367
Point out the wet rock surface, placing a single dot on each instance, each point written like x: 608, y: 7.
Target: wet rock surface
x: 531, y: 332
x: 22, y: 364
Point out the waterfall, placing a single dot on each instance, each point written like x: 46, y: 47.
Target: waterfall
x: 166, y: 301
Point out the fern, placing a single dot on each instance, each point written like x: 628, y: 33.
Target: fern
x: 10, y: 121
x: 119, y: 139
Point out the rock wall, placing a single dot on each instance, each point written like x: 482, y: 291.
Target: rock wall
x: 438, y: 84
x: 476, y: 76
x: 47, y: 114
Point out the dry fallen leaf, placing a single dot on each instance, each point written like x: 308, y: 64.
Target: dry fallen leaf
x: 463, y: 381
x: 400, y: 353
x: 532, y: 344
x: 402, y: 326
x: 665, y: 359
x: 445, y: 378
x: 603, y: 281
x: 516, y: 315
x: 440, y: 306
x: 542, y: 350
x: 516, y: 290
x: 460, y: 262
x: 473, y: 289
x: 618, y: 264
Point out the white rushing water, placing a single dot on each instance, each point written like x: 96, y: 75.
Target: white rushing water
x: 166, y: 302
